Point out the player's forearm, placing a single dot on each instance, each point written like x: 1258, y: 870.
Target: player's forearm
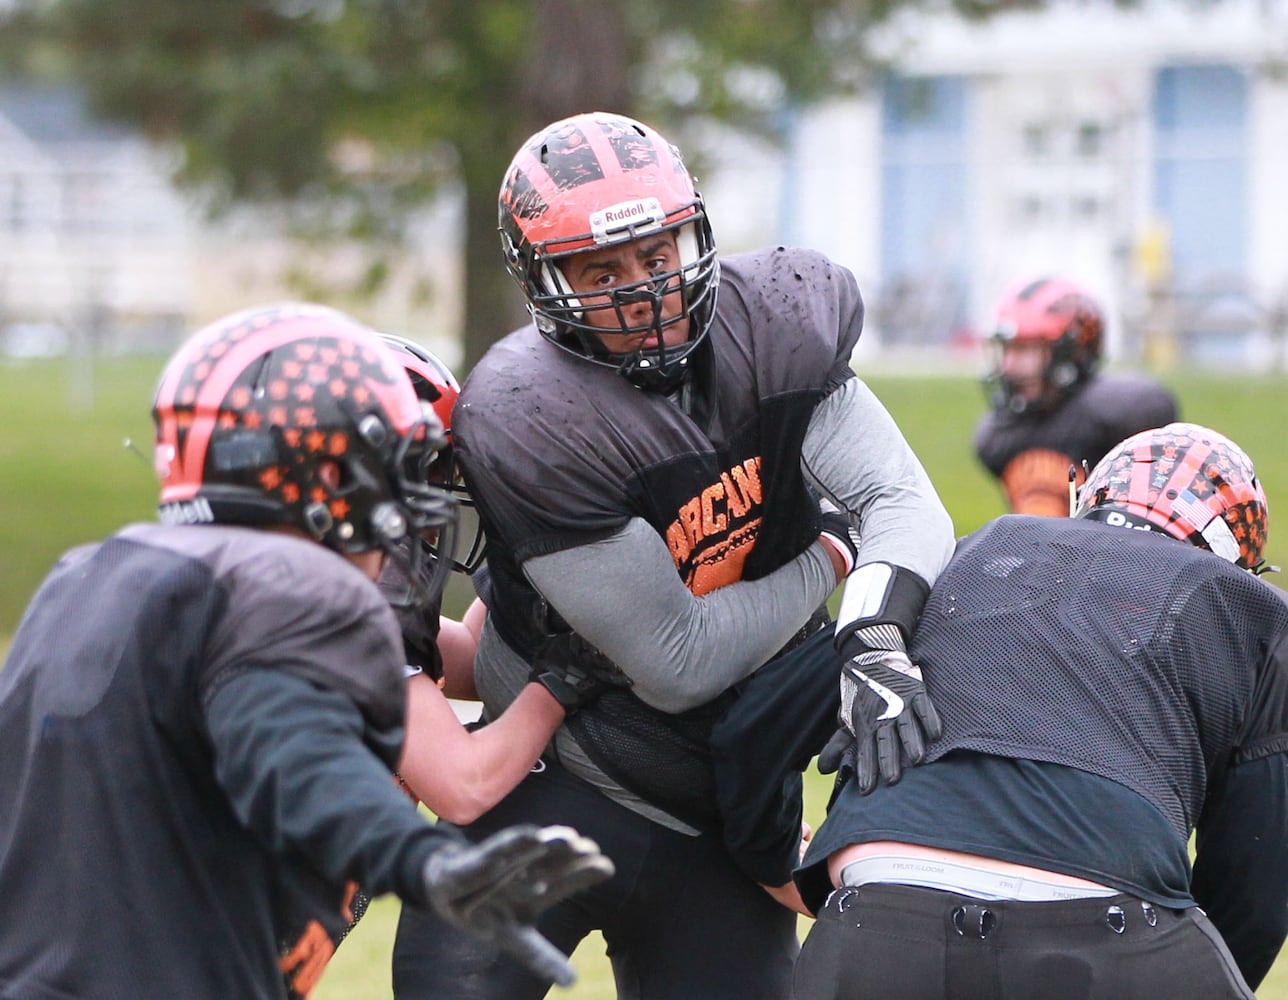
x: 458, y: 774
x: 457, y: 643
x: 623, y: 596
x: 290, y: 758
x: 1240, y: 875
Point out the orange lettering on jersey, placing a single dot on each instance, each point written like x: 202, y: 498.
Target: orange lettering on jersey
x: 747, y: 478
x: 691, y: 521
x: 736, y: 503
x: 722, y: 564
x: 713, y: 521
x: 678, y: 541
x: 714, y: 533
x: 1036, y: 481
x: 304, y: 963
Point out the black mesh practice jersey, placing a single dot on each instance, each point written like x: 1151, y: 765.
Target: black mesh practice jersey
x: 1143, y: 659
x: 558, y: 452
x: 197, y: 726
x: 1101, y: 690
x: 1030, y: 453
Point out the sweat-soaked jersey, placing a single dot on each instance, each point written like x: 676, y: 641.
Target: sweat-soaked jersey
x: 1031, y: 453
x: 559, y: 453
x: 125, y: 867
x: 1101, y: 691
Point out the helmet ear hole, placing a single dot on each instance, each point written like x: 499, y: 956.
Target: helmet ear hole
x: 1063, y: 375
x: 331, y: 474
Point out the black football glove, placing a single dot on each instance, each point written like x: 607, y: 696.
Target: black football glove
x: 838, y: 753
x: 497, y: 888
x: 885, y: 707
x: 574, y: 671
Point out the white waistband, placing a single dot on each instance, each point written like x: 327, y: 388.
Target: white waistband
x: 967, y: 880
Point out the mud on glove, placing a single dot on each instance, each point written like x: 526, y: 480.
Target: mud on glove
x: 497, y: 888
x: 574, y: 671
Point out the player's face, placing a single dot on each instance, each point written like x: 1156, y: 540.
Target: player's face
x: 595, y: 274
x: 1024, y: 364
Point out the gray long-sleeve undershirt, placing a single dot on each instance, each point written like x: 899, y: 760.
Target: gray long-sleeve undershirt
x: 855, y: 454
x: 624, y: 596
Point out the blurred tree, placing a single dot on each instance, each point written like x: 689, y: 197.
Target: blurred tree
x: 350, y: 114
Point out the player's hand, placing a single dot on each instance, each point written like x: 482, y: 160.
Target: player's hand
x: 838, y: 753
x: 885, y: 707
x: 574, y: 671
x: 496, y: 889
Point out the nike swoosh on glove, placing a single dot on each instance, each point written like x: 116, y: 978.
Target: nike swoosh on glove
x: 885, y: 706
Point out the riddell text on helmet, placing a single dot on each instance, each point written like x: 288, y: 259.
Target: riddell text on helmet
x: 626, y: 213
x: 195, y: 511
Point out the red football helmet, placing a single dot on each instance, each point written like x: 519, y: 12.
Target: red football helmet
x: 595, y: 180
x: 1055, y: 312
x: 436, y: 385
x: 1186, y: 481
x: 430, y: 377
x: 296, y: 414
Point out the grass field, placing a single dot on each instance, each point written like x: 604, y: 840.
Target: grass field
x: 67, y: 477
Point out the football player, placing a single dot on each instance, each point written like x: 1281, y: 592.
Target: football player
x: 648, y: 458
x: 1110, y: 685
x: 1051, y: 409
x: 198, y: 717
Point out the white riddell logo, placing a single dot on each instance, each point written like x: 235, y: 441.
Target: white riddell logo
x: 894, y: 704
x: 638, y: 217
x: 624, y: 213
x: 194, y: 511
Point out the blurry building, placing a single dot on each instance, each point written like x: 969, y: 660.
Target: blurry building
x: 100, y: 251
x: 1139, y: 150
x: 95, y: 246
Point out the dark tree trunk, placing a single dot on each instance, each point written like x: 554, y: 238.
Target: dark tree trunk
x: 579, y: 61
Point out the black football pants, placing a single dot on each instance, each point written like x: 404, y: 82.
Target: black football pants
x: 680, y: 921
x: 683, y: 917
x: 907, y: 943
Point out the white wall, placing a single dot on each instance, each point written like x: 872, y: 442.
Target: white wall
x: 1075, y: 64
